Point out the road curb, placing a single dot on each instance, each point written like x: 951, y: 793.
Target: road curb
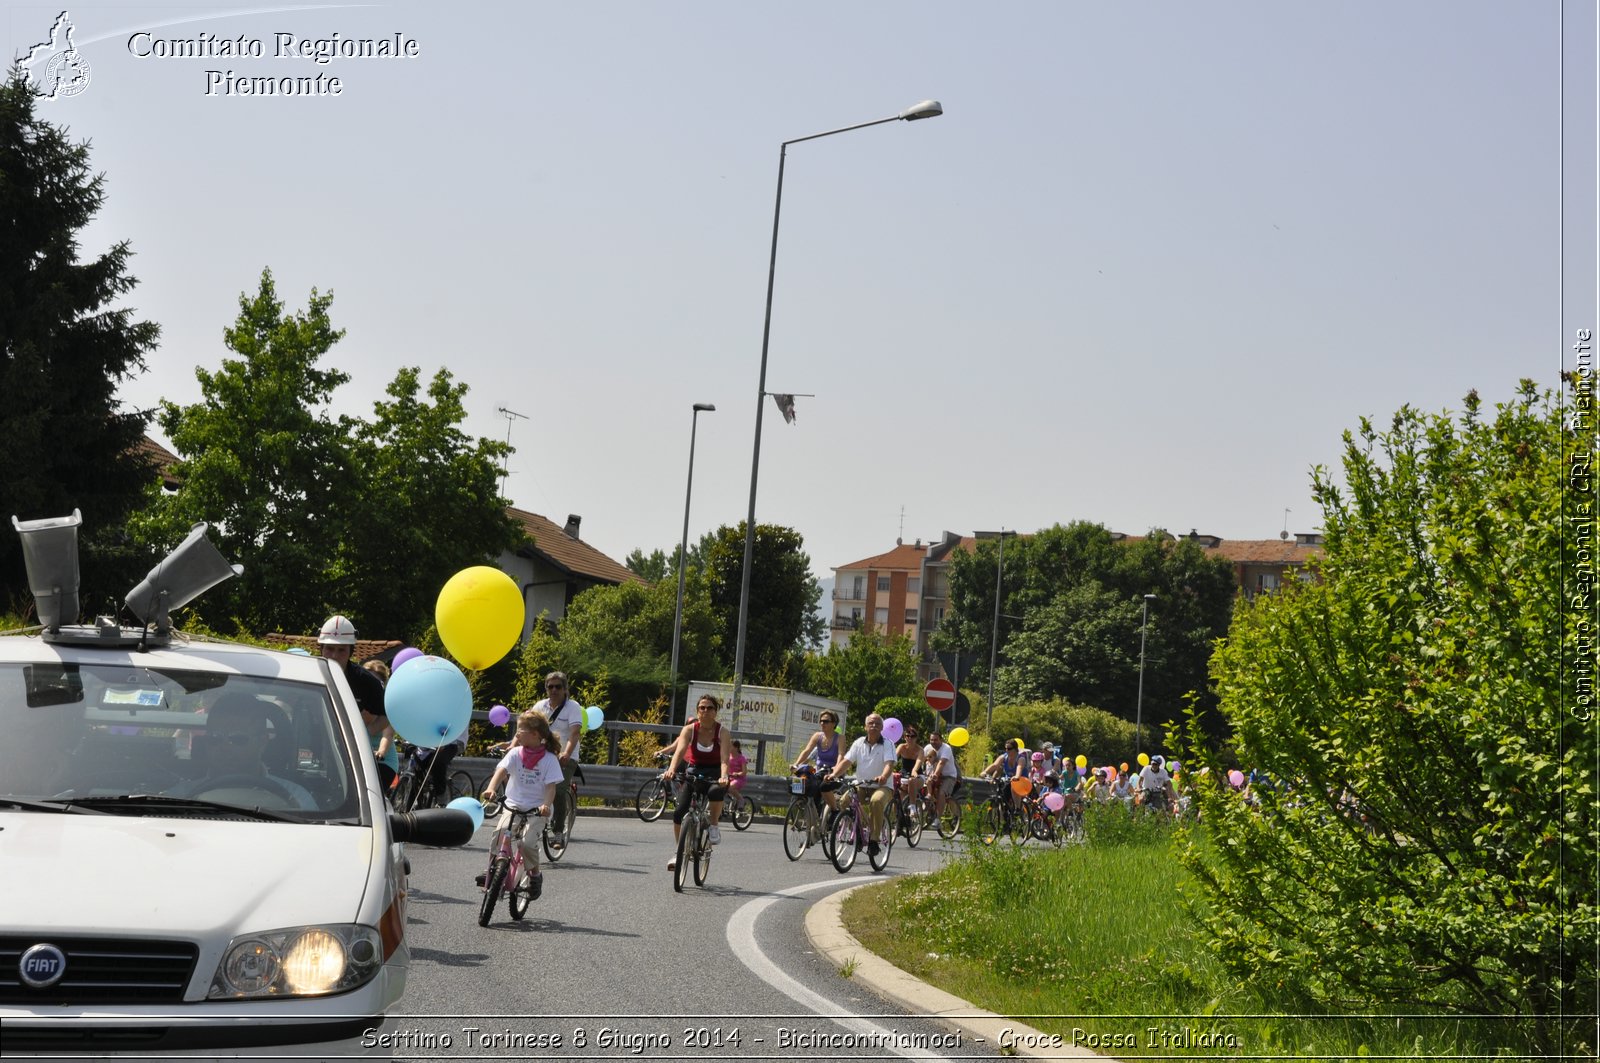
x: 826, y: 931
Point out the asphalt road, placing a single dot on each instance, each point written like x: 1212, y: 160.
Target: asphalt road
x: 611, y: 963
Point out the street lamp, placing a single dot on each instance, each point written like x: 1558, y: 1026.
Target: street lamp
x: 683, y: 559
x: 1138, y: 711
x: 994, y: 633
x: 925, y: 109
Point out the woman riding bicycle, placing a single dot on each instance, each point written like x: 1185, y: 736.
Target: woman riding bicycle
x: 531, y: 770
x: 705, y: 746
x: 823, y: 748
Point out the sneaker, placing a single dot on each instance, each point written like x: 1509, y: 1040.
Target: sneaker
x: 716, y: 835
x: 481, y: 878
x: 872, y: 848
x: 672, y: 865
x: 536, y: 885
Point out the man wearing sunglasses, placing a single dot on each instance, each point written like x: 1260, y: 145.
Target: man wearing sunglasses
x: 236, y: 739
x: 566, y: 723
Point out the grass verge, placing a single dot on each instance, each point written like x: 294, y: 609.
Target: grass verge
x: 1092, y: 943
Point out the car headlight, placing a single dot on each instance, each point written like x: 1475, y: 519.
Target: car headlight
x: 299, y: 961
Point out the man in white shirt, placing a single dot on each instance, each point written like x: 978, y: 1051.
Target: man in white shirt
x: 871, y: 758
x: 1156, y: 785
x: 939, y: 761
x: 566, y: 723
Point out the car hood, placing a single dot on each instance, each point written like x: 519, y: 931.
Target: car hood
x: 139, y: 875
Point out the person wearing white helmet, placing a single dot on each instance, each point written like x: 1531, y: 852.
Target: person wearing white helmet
x: 1155, y: 783
x: 337, y: 641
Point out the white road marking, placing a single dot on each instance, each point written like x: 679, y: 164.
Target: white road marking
x: 742, y: 942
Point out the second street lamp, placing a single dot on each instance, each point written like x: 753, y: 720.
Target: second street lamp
x: 1138, y: 710
x: 916, y: 112
x: 683, y: 560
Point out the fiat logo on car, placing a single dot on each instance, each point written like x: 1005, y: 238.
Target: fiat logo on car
x: 42, y: 965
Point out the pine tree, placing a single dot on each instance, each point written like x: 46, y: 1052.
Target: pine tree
x: 68, y: 441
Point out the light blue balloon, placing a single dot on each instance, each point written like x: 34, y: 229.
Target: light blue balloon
x: 471, y: 806
x: 429, y: 701
x: 593, y: 717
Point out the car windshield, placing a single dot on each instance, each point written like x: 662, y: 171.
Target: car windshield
x: 155, y: 741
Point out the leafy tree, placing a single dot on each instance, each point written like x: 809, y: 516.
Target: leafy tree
x: 69, y: 443
x: 871, y: 667
x: 783, y: 616
x: 537, y: 657
x: 1428, y: 841
x: 627, y: 630
x: 653, y: 568
x: 910, y: 711
x: 417, y: 465
x: 265, y: 463
x: 1075, y: 729
x: 1070, y: 618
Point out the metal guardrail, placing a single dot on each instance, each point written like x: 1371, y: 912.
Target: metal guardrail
x: 618, y: 784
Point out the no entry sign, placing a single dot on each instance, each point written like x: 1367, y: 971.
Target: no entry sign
x: 940, y: 694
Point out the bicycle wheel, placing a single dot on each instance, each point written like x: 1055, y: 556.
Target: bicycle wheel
x: 744, y: 812
x: 843, y: 852
x: 887, y: 832
x: 461, y: 785
x: 702, y: 857
x: 1054, y: 832
x: 491, y: 807
x: 1019, y: 828
x: 400, y: 795
x: 686, y: 847
x: 829, y: 818
x: 911, y: 823
x: 554, y: 846
x: 652, y: 800
x: 521, y: 896
x: 795, y: 828
x: 950, y: 819
x: 994, y: 823
x: 491, y: 890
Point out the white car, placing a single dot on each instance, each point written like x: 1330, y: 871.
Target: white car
x: 171, y: 888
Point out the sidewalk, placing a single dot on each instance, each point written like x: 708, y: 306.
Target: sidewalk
x: 985, y: 1029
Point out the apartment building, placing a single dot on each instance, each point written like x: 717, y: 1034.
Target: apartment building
x: 884, y: 591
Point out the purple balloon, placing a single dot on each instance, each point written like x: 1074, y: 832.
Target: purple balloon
x: 403, y: 656
x: 892, y: 730
x: 499, y: 715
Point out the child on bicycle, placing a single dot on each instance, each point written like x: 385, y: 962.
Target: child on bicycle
x: 737, y: 766
x: 531, y: 770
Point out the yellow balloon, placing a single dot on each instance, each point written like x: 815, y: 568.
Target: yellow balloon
x: 1081, y: 761
x: 958, y: 737
x: 479, y: 614
x: 1144, y: 760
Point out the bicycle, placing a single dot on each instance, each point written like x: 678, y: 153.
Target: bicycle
x: 803, y: 821
x: 911, y: 808
x: 407, y: 793
x: 948, y: 820
x: 849, y: 829
x: 1001, y: 819
x: 738, y: 809
x: 694, y: 838
x: 656, y: 794
x: 555, y: 837
x: 506, y: 865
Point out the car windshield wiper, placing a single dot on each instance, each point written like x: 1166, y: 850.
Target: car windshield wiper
x: 162, y: 802
x: 51, y: 806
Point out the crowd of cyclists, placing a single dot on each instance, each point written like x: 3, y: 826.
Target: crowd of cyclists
x: 892, y: 766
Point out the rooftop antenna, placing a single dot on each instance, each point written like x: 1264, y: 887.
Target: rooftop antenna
x: 1284, y: 535
x: 509, y: 415
x: 902, y: 534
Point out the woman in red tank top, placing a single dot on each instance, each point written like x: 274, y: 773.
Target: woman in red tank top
x: 703, y: 747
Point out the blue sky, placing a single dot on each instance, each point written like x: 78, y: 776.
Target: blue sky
x: 1148, y: 266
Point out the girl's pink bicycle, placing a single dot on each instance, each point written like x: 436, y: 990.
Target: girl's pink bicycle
x: 506, y: 869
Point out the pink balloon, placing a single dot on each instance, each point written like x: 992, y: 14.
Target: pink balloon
x: 499, y: 715
x: 403, y: 656
x: 893, y: 729
x: 1054, y: 801
x: 1235, y: 778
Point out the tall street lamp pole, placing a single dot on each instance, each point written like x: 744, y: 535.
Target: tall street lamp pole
x: 994, y: 633
x: 1138, y: 711
x: 683, y: 558
x: 925, y: 109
